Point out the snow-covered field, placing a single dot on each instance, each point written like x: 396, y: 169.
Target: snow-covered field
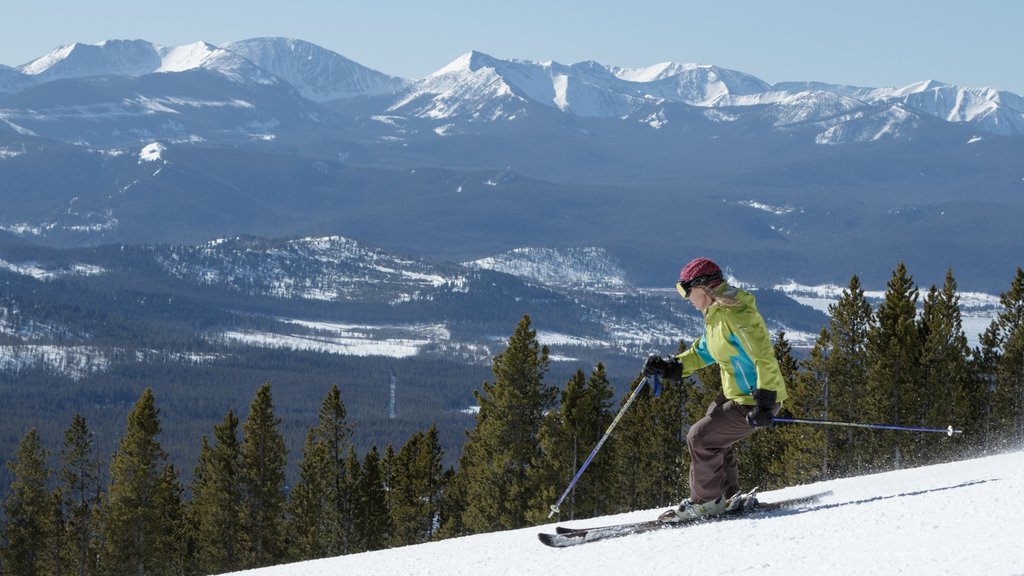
x: 958, y: 519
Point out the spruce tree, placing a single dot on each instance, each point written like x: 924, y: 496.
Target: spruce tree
x: 591, y: 418
x: 567, y: 437
x: 846, y: 396
x: 950, y: 389
x: 417, y: 488
x: 1008, y: 401
x: 82, y: 494
x: 649, y: 445
x: 558, y: 459
x: 264, y: 456
x: 787, y: 454
x: 349, y: 540
x: 807, y: 452
x: 142, y: 531
x: 373, y: 518
x: 895, y: 379
x: 217, y: 500
x: 323, y: 494
x: 501, y: 448
x: 30, y: 529
x: 985, y: 362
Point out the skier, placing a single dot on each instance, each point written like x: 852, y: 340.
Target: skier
x: 736, y: 338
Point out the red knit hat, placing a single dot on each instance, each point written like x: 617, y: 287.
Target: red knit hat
x: 699, y: 272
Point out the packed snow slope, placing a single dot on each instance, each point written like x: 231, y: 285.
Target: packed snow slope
x: 960, y: 519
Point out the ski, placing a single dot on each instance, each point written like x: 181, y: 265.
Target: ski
x: 742, y: 505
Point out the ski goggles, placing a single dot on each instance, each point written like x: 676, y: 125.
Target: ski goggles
x: 684, y: 286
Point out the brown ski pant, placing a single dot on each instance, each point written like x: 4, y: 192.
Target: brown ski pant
x: 712, y: 454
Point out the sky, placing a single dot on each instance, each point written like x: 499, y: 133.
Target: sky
x: 876, y: 43
x: 953, y: 519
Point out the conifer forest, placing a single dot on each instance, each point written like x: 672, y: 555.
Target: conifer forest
x: 249, y: 502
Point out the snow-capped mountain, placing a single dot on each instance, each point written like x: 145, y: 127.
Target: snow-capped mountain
x: 477, y: 87
x: 318, y: 74
x: 586, y: 267
x: 279, y: 137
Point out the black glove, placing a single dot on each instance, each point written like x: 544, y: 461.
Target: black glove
x: 761, y: 413
x: 670, y: 369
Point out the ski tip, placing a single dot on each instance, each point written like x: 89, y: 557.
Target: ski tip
x: 549, y: 540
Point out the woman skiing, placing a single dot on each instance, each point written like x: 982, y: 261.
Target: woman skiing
x: 736, y: 338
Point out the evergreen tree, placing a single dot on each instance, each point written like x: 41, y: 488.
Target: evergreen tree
x: 348, y: 507
x: 264, y: 456
x: 217, y: 500
x: 417, y: 488
x: 82, y: 493
x: 649, y: 447
x: 951, y: 391
x: 895, y: 379
x: 323, y: 494
x: 142, y: 531
x: 842, y: 352
x: 373, y: 518
x: 501, y: 448
x: 807, y: 452
x: 985, y: 371
x: 30, y: 529
x: 567, y: 437
x: 1008, y: 400
x: 789, y: 454
x: 453, y: 505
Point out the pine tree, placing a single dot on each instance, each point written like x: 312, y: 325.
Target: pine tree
x: 217, y: 500
x: 649, y: 447
x: 82, y: 493
x: 452, y: 506
x: 1008, y: 401
x: 842, y: 368
x: 984, y: 369
x: 349, y: 509
x: 373, y: 518
x: 945, y: 361
x: 417, y: 488
x: 141, y: 534
x: 501, y: 448
x: 567, y: 437
x: 807, y: 452
x: 324, y: 493
x: 895, y: 380
x: 264, y: 456
x: 30, y: 530
x: 787, y: 454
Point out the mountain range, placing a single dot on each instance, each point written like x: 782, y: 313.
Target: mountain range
x: 130, y: 142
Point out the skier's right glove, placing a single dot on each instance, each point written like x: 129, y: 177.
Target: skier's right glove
x: 670, y: 369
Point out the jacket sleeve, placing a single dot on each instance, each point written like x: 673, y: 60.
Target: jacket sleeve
x: 696, y: 357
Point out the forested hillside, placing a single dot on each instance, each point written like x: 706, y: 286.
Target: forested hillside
x: 72, y: 507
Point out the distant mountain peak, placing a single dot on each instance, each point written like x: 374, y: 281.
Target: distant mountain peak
x: 469, y: 62
x: 187, y: 57
x: 317, y: 73
x: 110, y: 57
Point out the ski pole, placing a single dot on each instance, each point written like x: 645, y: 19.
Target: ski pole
x: 948, y: 431
x: 607, y: 433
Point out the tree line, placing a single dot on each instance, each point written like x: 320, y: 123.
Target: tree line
x: 900, y: 364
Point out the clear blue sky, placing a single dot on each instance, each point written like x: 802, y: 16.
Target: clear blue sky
x: 861, y: 42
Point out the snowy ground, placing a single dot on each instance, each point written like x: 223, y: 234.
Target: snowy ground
x: 958, y: 519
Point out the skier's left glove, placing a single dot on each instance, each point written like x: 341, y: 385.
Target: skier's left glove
x: 761, y: 414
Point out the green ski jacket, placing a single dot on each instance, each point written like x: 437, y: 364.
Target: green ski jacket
x: 736, y: 338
